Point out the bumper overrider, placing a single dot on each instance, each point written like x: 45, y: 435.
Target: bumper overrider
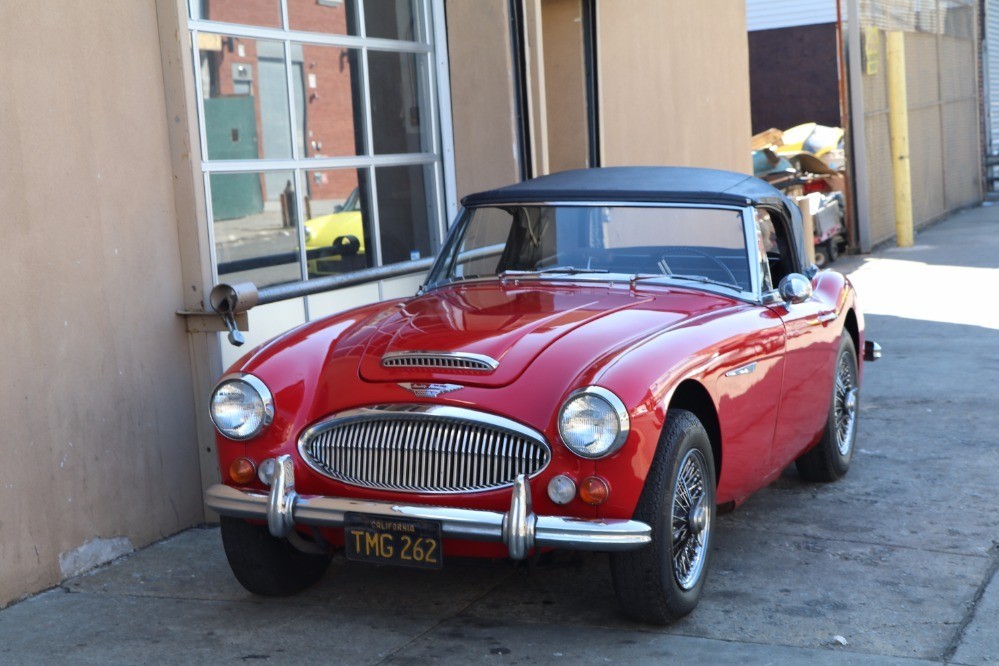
x: 519, y: 528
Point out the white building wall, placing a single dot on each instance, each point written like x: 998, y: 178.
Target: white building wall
x: 769, y: 14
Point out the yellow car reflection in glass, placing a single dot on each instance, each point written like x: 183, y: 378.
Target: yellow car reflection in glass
x: 334, y: 243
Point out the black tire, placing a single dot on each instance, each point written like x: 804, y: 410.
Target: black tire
x: 830, y: 459
x: 265, y: 565
x: 648, y: 581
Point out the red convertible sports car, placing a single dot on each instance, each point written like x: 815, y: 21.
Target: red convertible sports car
x: 599, y: 359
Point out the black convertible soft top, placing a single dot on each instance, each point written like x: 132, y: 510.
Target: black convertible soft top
x: 650, y: 184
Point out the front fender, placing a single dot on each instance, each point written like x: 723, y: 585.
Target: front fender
x: 710, y: 351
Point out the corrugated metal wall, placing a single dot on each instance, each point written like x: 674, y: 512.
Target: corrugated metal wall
x: 942, y: 80
x: 992, y: 80
x: 769, y: 14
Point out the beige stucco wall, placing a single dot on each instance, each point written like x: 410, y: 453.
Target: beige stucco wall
x: 565, y: 84
x: 97, y: 407
x: 674, y: 83
x: 482, y: 100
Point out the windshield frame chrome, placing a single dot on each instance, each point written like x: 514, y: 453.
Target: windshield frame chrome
x: 447, y: 255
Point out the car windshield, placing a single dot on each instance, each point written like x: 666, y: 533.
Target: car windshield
x: 704, y: 246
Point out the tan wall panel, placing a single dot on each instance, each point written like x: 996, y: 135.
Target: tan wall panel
x: 921, y: 80
x: 537, y: 92
x: 944, y: 143
x: 962, y: 139
x: 565, y: 80
x: 880, y: 181
x: 482, y: 101
x: 926, y: 163
x: 98, y: 406
x: 962, y: 150
x: 674, y: 83
x: 957, y: 60
x: 925, y: 149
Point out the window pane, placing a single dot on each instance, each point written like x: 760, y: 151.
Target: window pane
x: 336, y: 231
x: 393, y: 19
x: 338, y: 17
x: 255, y: 222
x: 245, y: 90
x: 328, y: 100
x: 398, y: 102
x: 265, y: 13
x: 404, y: 212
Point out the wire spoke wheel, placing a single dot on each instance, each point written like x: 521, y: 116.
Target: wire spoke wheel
x: 830, y: 458
x: 845, y: 406
x: 664, y: 580
x: 691, y: 519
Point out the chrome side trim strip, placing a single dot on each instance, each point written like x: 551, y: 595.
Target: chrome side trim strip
x: 744, y: 370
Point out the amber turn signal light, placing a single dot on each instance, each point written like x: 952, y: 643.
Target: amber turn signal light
x: 594, y: 490
x: 242, y: 471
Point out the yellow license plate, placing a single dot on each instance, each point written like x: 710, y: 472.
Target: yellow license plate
x: 399, y: 541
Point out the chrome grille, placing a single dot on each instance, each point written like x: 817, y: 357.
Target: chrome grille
x: 423, y: 448
x: 443, y: 360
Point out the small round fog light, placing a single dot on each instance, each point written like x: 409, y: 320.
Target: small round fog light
x: 242, y: 471
x: 266, y: 471
x: 561, y: 489
x: 593, y: 490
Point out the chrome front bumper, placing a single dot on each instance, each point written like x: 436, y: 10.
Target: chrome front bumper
x: 519, y: 528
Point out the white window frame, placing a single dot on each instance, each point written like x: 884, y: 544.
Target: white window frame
x: 441, y: 135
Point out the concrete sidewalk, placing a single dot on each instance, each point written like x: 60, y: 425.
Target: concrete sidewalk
x: 893, y: 564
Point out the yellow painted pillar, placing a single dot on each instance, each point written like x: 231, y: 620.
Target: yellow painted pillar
x: 898, y: 119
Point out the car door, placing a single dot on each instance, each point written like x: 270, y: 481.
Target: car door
x: 810, y: 343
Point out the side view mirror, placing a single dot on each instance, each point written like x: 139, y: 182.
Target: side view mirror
x: 795, y: 288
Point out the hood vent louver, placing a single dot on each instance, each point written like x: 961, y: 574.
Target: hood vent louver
x: 439, y: 361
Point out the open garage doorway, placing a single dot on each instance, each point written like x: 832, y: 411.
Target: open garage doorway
x: 813, y: 61
x: 799, y: 114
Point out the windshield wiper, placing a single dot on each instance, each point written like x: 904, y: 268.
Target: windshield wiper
x: 567, y: 270
x: 689, y: 278
x: 457, y: 278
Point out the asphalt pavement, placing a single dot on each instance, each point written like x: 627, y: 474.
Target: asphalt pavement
x: 893, y: 564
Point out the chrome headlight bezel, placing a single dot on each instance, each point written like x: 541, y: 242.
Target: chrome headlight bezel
x: 258, y: 392
x: 617, y: 410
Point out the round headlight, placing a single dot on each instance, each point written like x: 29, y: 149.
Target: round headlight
x: 593, y: 422
x: 241, y: 406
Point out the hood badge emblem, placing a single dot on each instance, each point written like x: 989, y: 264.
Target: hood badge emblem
x: 421, y: 390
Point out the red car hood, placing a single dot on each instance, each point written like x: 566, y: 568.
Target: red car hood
x: 511, y: 325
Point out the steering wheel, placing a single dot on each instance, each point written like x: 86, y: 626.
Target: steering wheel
x: 346, y: 246
x: 712, y: 259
